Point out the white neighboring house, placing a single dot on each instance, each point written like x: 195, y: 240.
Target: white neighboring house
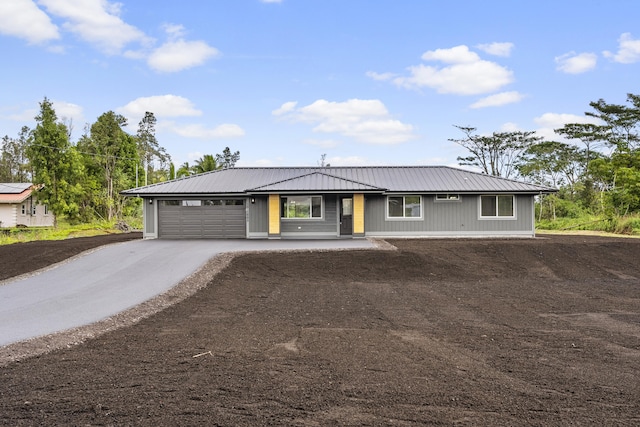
x: 19, y: 206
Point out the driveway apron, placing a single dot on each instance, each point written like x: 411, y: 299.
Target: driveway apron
x: 117, y: 277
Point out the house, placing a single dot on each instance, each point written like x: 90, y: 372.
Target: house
x: 19, y: 207
x: 338, y: 202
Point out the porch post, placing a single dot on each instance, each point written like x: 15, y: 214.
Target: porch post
x: 274, y: 216
x: 358, y: 215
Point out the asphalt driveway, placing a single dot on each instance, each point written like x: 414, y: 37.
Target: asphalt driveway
x: 117, y: 277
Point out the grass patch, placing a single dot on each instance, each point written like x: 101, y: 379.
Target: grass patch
x: 63, y: 231
x: 627, y: 225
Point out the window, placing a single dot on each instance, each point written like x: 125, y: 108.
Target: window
x: 447, y: 197
x: 223, y: 202
x: 404, y: 207
x: 33, y: 209
x: 24, y: 209
x: 171, y: 202
x: 497, y: 207
x: 302, y: 207
x: 46, y: 209
x: 192, y: 203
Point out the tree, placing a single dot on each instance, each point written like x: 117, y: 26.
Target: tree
x: 495, y: 155
x: 205, y: 164
x: 227, y: 159
x: 618, y: 174
x: 621, y: 123
x: 111, y: 156
x: 184, y: 170
x: 14, y: 164
x: 55, y: 163
x: 149, y: 150
x: 322, y: 163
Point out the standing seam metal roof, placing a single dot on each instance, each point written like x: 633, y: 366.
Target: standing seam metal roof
x: 388, y: 179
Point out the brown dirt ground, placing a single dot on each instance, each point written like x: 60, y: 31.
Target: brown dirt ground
x: 541, y: 331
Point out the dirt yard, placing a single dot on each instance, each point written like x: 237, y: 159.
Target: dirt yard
x: 439, y: 332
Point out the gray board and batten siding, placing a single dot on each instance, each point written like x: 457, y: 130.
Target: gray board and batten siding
x: 459, y: 218
x: 167, y: 214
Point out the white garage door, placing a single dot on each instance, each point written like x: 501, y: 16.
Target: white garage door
x: 202, y: 219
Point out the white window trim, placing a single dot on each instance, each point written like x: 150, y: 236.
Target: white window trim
x: 496, y: 217
x: 404, y: 218
x: 311, y: 218
x: 447, y: 199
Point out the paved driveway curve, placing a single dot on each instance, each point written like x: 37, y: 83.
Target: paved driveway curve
x: 115, y: 278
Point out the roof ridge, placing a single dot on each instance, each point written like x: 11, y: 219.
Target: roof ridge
x: 315, y: 172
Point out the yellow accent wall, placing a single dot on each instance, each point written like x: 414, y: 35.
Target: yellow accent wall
x: 274, y: 214
x: 358, y: 214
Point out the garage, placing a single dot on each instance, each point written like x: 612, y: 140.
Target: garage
x: 202, y: 219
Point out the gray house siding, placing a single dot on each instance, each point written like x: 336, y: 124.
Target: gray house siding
x: 258, y: 218
x: 325, y: 227
x: 449, y: 218
x: 149, y: 218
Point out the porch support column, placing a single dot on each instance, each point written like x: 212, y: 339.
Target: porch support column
x: 274, y: 216
x: 358, y: 215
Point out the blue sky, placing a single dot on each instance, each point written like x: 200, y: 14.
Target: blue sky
x: 366, y: 82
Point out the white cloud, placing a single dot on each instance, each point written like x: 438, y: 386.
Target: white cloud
x: 380, y: 76
x: 23, y: 19
x: 550, y: 121
x: 68, y: 110
x: 97, y: 22
x: 467, y: 73
x: 160, y: 106
x: 178, y: 55
x: 64, y: 110
x: 572, y: 63
x: 199, y: 131
x: 510, y: 127
x: 366, y: 121
x: 285, y: 108
x: 497, y: 49
x: 498, y: 100
x: 628, y: 50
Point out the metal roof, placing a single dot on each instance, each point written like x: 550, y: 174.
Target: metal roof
x: 14, y: 187
x: 15, y: 192
x: 315, y: 180
x: 380, y: 179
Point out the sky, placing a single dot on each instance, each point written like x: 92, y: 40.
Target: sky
x: 363, y: 82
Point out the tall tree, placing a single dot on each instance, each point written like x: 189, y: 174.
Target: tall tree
x: 113, y: 153
x: 14, y: 164
x: 153, y: 156
x: 227, y: 159
x: 55, y: 163
x: 618, y: 174
x: 496, y: 154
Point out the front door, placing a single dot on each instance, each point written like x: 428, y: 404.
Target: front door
x: 346, y: 216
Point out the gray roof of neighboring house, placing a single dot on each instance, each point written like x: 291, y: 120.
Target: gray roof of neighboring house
x: 369, y: 179
x: 14, y: 187
x: 15, y: 192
